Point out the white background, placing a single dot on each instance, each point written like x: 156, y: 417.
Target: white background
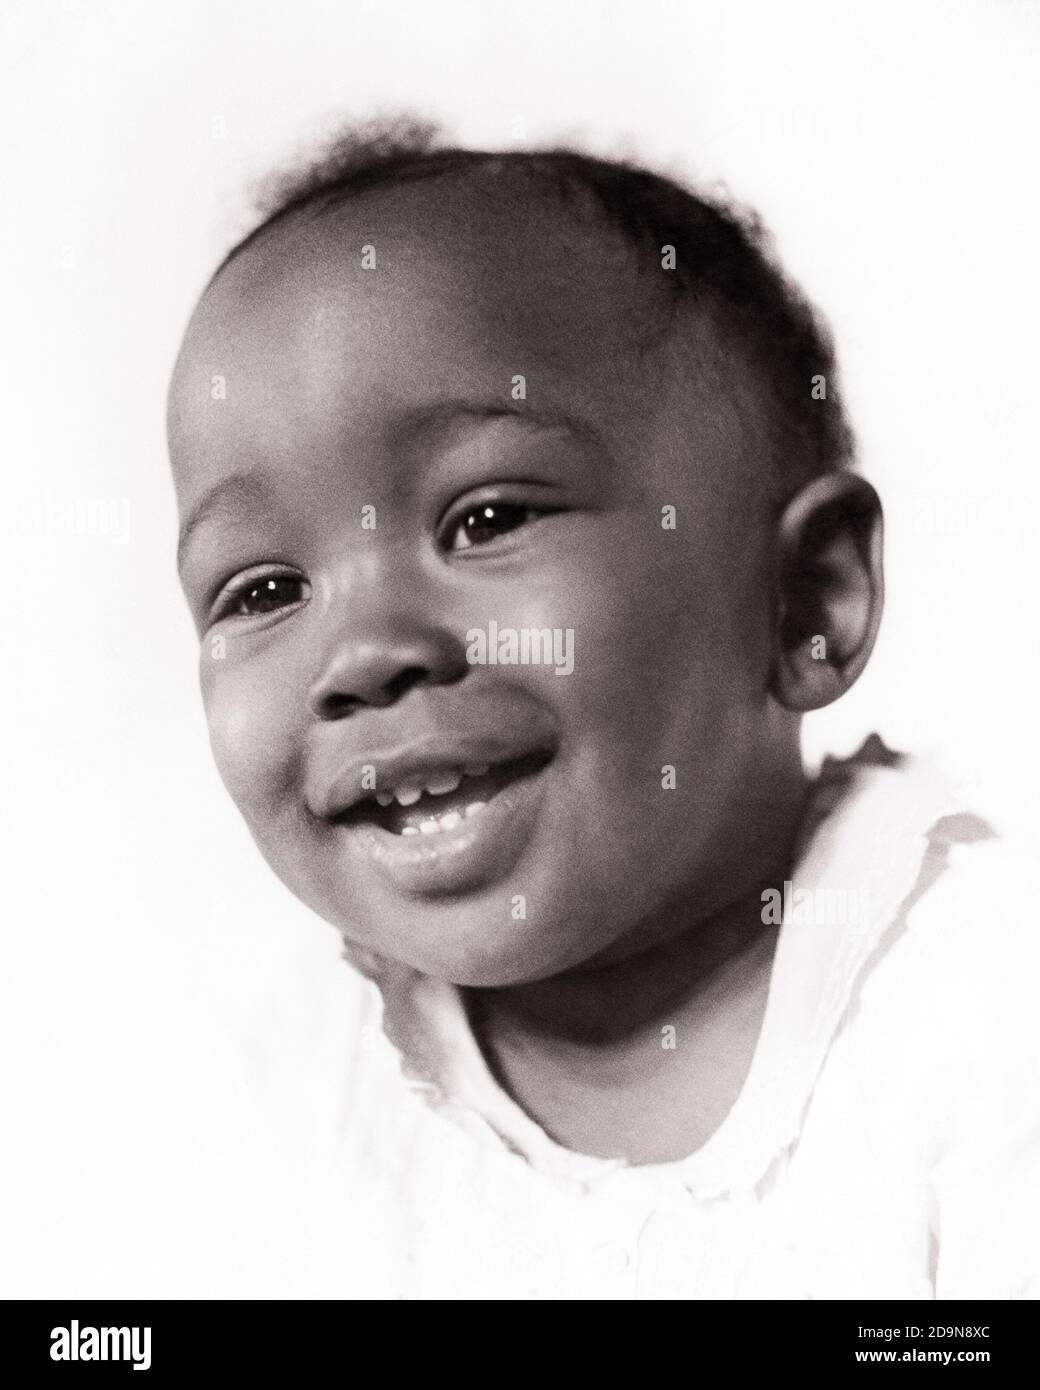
x: 169, y: 1016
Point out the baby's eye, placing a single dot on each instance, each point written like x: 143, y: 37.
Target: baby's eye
x: 270, y: 594
x: 253, y: 596
x: 484, y: 523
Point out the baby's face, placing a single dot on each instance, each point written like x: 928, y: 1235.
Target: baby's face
x: 381, y: 485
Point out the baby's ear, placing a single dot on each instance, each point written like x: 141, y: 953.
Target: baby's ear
x: 830, y: 590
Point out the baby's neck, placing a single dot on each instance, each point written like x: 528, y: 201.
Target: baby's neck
x: 601, y: 1006
x: 641, y: 1059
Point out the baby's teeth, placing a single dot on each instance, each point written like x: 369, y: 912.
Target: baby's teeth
x: 474, y: 807
x: 408, y: 795
x: 433, y: 825
x: 443, y: 782
x: 476, y: 769
x: 384, y: 798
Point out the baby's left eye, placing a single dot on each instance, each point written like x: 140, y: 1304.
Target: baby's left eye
x: 485, y: 523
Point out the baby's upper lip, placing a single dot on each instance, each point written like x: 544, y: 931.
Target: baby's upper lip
x: 419, y: 759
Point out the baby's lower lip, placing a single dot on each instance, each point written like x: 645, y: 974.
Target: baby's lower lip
x: 475, y: 843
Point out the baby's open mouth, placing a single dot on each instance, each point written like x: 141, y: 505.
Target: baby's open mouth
x: 439, y: 800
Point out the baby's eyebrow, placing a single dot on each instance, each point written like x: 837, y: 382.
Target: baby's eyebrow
x: 443, y: 413
x: 232, y: 495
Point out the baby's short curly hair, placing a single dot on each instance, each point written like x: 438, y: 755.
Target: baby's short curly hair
x: 722, y: 261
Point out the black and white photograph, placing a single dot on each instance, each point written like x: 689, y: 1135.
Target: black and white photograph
x: 521, y: 761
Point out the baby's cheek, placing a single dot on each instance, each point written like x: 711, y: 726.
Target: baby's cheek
x: 659, y: 679
x: 240, y: 734
x: 634, y: 640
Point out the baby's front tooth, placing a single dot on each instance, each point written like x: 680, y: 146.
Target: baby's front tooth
x: 474, y: 807
x: 443, y: 782
x: 384, y: 798
x: 451, y: 820
x: 428, y: 827
x: 408, y: 794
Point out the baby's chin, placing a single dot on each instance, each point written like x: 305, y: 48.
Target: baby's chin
x: 474, y: 948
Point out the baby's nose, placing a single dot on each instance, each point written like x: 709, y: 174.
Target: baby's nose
x: 375, y: 670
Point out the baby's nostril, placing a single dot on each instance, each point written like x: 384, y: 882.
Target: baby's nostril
x: 400, y: 684
x: 337, y: 706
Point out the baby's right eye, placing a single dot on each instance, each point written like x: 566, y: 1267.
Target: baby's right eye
x: 255, y: 595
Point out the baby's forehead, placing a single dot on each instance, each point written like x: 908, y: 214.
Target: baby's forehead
x: 411, y: 273
x: 515, y: 250
x: 328, y: 329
